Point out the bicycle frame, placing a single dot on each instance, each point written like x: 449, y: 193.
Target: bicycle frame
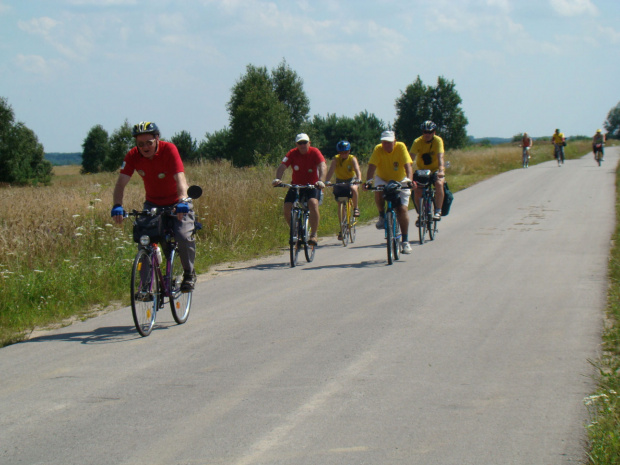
x: 425, y: 212
x: 345, y: 214
x: 299, y: 225
x: 392, y: 232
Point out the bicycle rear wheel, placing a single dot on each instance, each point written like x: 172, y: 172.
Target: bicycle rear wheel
x: 308, y: 249
x: 389, y: 230
x: 180, y: 302
x: 294, y: 240
x: 144, y: 293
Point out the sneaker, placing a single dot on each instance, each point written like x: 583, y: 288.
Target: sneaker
x: 339, y: 236
x: 405, y: 248
x: 437, y: 215
x: 381, y: 223
x: 189, y: 281
x: 312, y: 240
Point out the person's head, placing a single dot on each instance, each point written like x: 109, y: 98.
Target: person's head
x: 388, y: 140
x: 557, y: 131
x: 598, y: 131
x: 343, y: 147
x: 525, y: 134
x: 146, y: 135
x: 303, y: 143
x: 428, y: 129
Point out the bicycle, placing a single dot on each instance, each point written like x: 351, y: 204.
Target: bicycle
x: 426, y: 223
x: 559, y: 153
x: 348, y: 221
x: 149, y: 286
x: 526, y: 157
x: 300, y: 227
x: 393, y: 234
x: 598, y: 153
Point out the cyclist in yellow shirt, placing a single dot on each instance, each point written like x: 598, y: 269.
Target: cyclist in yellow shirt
x: 347, y: 170
x: 558, y: 140
x: 428, y: 151
x: 390, y: 161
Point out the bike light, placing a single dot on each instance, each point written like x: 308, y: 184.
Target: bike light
x: 145, y: 240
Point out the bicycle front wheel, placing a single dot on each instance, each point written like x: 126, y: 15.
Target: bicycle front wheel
x: 180, y: 302
x: 396, y: 237
x: 344, y: 223
x: 294, y: 240
x: 422, y: 220
x: 144, y: 293
x: 389, y: 233
x: 308, y: 249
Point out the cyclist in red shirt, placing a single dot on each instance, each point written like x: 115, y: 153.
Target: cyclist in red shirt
x: 159, y: 165
x: 309, y: 167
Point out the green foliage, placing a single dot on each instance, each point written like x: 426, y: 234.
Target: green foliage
x: 96, y: 149
x: 363, y: 132
x: 59, y: 159
x: 612, y: 124
x: 217, y: 145
x: 188, y: 147
x: 517, y: 137
x: 121, y: 141
x: 264, y: 110
x: 440, y: 104
x: 21, y: 154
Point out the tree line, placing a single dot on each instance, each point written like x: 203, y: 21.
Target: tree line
x: 22, y: 159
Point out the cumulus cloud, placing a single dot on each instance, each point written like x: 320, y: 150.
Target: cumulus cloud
x: 574, y: 7
x: 34, y: 64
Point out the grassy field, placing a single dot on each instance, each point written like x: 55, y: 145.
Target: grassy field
x: 61, y: 259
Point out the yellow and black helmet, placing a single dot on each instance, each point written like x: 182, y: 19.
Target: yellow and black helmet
x: 145, y: 127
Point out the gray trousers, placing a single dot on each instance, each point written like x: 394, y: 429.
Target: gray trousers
x: 183, y: 235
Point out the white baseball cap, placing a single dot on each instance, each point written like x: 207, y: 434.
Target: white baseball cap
x: 301, y: 137
x: 388, y: 136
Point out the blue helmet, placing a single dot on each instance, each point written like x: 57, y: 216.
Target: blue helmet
x: 428, y: 126
x: 343, y: 146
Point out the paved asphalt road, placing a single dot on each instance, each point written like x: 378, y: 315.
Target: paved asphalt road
x: 474, y: 349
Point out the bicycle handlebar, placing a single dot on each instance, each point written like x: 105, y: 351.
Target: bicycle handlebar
x: 344, y: 184
x: 297, y: 186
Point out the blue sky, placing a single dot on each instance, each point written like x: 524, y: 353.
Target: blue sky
x: 518, y: 65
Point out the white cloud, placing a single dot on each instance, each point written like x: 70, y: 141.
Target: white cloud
x: 574, y: 7
x: 34, y: 64
x: 39, y: 26
x: 610, y: 34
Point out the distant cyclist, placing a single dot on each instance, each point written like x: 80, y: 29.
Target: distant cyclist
x: 347, y: 170
x: 390, y: 161
x: 526, y: 143
x: 428, y: 152
x: 558, y: 140
x: 599, y: 138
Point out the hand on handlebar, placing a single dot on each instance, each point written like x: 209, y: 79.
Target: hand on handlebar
x: 118, y: 213
x: 276, y: 182
x: 320, y: 184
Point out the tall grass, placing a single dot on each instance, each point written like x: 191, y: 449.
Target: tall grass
x: 61, y: 257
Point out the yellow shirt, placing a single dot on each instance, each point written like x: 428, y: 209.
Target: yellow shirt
x: 391, y: 166
x: 557, y: 138
x: 344, y: 167
x: 420, y: 148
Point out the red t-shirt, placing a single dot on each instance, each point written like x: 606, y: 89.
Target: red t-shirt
x: 305, y: 167
x: 157, y: 173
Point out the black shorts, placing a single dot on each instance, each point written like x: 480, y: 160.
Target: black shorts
x: 342, y: 191
x: 304, y: 194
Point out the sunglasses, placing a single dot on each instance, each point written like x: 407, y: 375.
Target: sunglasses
x: 428, y: 132
x: 148, y: 143
x: 302, y: 142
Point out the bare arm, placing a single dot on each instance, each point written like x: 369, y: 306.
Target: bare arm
x: 280, y: 171
x: 119, y: 188
x: 322, y: 170
x: 370, y: 172
x: 181, y: 185
x: 356, y: 168
x: 442, y: 166
x: 409, y: 171
x: 332, y: 168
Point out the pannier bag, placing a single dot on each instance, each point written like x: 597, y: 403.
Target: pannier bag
x: 448, y: 197
x: 152, y: 226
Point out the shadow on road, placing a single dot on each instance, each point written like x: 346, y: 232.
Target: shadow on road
x: 106, y: 335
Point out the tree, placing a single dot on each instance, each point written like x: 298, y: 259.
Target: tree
x: 96, y: 149
x: 121, y: 141
x: 216, y: 146
x: 188, y: 147
x: 441, y: 104
x: 266, y: 110
x: 612, y: 124
x: 22, y: 157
